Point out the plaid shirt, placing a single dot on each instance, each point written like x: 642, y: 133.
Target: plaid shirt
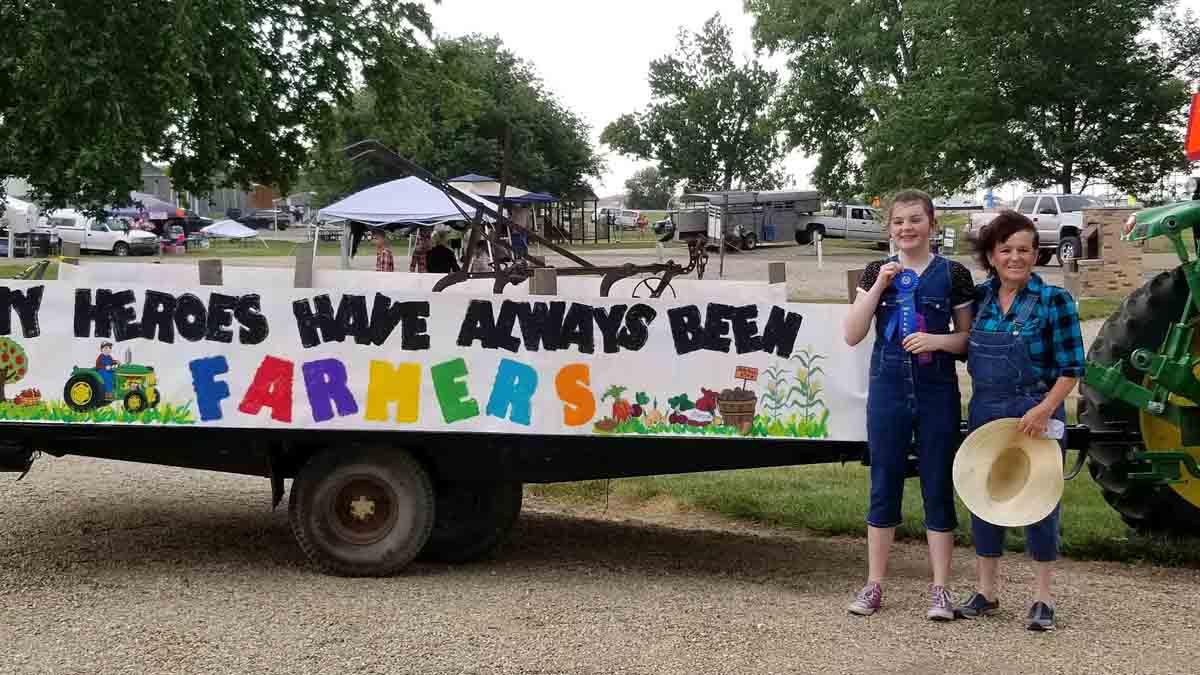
x: 1053, y: 335
x: 384, y: 261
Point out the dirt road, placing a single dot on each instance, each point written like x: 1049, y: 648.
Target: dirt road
x: 107, y: 567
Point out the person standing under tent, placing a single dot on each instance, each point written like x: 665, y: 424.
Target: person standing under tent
x: 419, y: 260
x: 441, y: 258
x: 384, y: 262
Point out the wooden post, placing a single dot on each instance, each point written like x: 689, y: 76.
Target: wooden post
x: 304, y: 267
x: 852, y: 279
x: 544, y: 281
x: 211, y: 273
x: 777, y: 273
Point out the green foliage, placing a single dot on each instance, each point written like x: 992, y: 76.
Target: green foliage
x: 56, y: 411
x: 681, y: 403
x: 215, y: 88
x: 449, y: 113
x: 831, y: 499
x: 762, y: 427
x: 941, y: 93
x: 14, y: 363
x: 710, y: 121
x: 648, y: 188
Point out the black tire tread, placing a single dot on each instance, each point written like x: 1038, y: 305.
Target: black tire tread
x: 449, y: 544
x: 1141, y: 321
x: 320, y: 465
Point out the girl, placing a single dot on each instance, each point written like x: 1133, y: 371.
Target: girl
x: 1025, y: 356
x: 913, y: 298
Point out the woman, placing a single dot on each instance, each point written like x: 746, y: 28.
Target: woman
x: 440, y: 258
x: 913, y: 298
x: 1025, y: 356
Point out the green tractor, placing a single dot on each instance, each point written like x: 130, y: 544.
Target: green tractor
x: 134, y: 385
x: 1142, y: 387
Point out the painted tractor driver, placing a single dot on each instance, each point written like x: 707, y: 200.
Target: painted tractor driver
x: 105, y: 365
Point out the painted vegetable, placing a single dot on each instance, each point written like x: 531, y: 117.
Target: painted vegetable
x: 638, y: 401
x: 681, y: 403
x: 708, y: 400
x: 622, y: 409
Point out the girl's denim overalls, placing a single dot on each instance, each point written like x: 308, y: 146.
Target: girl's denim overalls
x: 1006, y: 384
x: 908, y: 399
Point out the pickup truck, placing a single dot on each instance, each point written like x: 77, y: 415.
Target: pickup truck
x: 1059, y: 220
x: 850, y: 221
x: 112, y: 235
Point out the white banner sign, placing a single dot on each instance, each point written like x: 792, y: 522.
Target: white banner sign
x: 111, y: 353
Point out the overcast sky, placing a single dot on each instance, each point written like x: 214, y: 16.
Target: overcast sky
x: 595, y: 56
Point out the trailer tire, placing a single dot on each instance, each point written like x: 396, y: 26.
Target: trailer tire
x: 1045, y: 255
x: 363, y: 511
x: 805, y: 237
x: 749, y: 242
x: 473, y: 518
x: 1141, y: 322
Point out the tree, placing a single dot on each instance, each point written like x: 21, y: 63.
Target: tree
x: 229, y: 88
x: 648, y: 189
x: 450, y: 113
x: 710, y: 120
x: 13, y: 364
x: 940, y: 93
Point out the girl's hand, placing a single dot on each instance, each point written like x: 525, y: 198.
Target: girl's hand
x: 919, y: 343
x: 1034, y: 422
x: 887, y: 273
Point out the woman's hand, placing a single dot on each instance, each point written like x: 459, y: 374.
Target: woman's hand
x: 919, y: 343
x: 1035, y: 422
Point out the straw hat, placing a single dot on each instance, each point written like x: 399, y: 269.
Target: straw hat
x: 1006, y: 477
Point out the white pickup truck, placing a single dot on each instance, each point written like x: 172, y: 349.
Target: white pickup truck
x: 850, y: 221
x: 111, y: 236
x: 1059, y: 220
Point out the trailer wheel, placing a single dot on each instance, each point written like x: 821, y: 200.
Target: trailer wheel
x: 749, y: 242
x: 473, y: 518
x: 1141, y: 322
x: 1045, y: 256
x: 362, y: 512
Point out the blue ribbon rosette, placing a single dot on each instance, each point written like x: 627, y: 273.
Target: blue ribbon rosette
x: 906, y: 320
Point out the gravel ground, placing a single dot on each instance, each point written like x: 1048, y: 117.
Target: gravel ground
x: 110, y: 567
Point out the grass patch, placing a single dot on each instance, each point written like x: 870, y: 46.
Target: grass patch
x: 831, y: 500
x: 56, y: 411
x: 762, y: 427
x: 1097, y: 308
x: 11, y: 271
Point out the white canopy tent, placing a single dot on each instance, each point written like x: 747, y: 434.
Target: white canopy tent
x: 406, y: 201
x: 231, y: 229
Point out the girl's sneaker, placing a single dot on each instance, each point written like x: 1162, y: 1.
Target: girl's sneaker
x: 943, y: 607
x: 868, y: 600
x: 979, y: 605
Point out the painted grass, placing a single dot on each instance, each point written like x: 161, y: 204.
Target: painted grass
x: 56, y: 411
x: 831, y: 500
x: 763, y: 426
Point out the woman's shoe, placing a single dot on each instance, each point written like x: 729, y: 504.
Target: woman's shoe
x: 943, y: 607
x: 1041, y: 617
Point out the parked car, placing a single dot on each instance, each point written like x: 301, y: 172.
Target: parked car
x: 1059, y: 221
x: 626, y: 219
x: 846, y: 221
x: 266, y: 219
x: 113, y: 235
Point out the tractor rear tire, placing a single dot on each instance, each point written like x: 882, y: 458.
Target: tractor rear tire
x: 472, y: 519
x: 1141, y: 322
x: 83, y: 392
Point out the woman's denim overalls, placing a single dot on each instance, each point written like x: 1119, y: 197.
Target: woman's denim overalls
x: 1006, y: 384
x: 906, y: 399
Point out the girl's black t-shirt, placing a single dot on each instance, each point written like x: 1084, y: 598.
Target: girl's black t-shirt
x: 962, y: 285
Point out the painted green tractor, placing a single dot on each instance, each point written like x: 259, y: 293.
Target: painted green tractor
x: 134, y: 385
x: 1143, y: 383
